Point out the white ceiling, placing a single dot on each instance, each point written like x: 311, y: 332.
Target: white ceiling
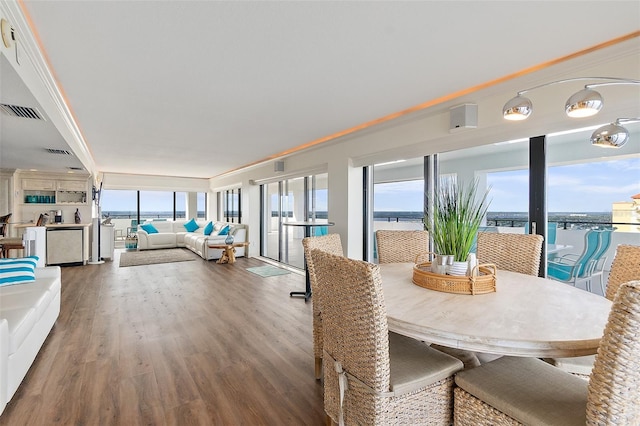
x: 198, y: 88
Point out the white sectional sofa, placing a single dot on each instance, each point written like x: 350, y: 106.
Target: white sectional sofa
x: 28, y: 312
x: 174, y: 234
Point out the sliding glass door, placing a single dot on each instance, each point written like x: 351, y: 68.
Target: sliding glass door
x: 296, y: 199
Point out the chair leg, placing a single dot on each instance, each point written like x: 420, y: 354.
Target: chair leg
x: 318, y: 368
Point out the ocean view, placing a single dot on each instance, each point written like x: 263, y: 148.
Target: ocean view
x: 514, y: 219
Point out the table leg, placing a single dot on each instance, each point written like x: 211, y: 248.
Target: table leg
x: 231, y: 254
x: 307, y: 292
x: 224, y: 258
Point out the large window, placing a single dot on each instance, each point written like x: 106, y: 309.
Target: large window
x: 201, y: 205
x: 271, y: 206
x: 119, y: 204
x: 398, y: 205
x: 128, y: 208
x: 583, y: 195
x: 292, y: 200
x: 558, y: 180
x: 156, y: 205
x: 231, y: 205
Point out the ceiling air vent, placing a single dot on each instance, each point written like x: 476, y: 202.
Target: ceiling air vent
x: 75, y: 168
x: 20, y: 111
x: 58, y: 151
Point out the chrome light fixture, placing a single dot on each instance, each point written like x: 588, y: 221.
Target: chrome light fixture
x: 585, y: 103
x: 517, y: 109
x: 612, y: 135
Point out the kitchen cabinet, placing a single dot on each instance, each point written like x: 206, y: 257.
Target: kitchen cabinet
x: 71, y: 185
x: 67, y: 244
x: 39, y: 184
x: 41, y: 191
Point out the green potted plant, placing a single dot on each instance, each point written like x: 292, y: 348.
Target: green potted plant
x: 457, y: 214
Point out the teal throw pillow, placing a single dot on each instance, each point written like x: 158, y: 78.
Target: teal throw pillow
x: 191, y: 226
x: 18, y: 271
x: 224, y: 231
x: 208, y: 229
x: 149, y: 228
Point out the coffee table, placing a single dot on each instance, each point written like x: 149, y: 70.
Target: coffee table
x: 229, y: 255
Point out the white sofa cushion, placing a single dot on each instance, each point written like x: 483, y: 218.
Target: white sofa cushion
x: 162, y: 226
x: 27, y: 313
x: 38, y: 295
x: 21, y: 322
x: 38, y: 300
x: 162, y: 239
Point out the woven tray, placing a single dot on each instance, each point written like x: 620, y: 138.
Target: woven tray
x: 482, y: 281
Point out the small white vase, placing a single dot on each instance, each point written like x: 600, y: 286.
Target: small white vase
x: 458, y: 268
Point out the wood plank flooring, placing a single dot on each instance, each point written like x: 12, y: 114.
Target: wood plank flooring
x: 186, y: 343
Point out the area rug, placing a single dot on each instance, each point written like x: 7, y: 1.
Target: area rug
x: 150, y: 257
x: 268, y: 271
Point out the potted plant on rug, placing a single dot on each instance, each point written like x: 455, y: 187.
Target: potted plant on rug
x: 457, y: 214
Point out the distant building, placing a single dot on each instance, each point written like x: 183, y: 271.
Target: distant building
x: 627, y: 212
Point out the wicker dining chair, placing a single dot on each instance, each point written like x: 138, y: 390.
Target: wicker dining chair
x: 515, y: 390
x: 371, y: 376
x: 402, y: 246
x: 331, y: 244
x: 625, y: 267
x: 511, y: 252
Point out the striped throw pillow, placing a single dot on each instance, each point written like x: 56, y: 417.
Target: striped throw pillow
x: 18, y: 271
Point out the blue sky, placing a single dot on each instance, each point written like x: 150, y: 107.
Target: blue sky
x: 589, y: 187
x: 149, y: 200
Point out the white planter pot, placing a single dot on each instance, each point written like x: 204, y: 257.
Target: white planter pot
x: 458, y: 268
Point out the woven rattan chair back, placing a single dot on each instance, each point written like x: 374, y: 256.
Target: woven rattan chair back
x: 511, y: 252
x: 329, y: 243
x: 354, y: 322
x: 614, y: 385
x: 401, y: 246
x: 625, y: 267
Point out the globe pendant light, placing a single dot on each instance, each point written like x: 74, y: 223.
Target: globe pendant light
x: 518, y: 108
x: 584, y: 103
x: 612, y: 135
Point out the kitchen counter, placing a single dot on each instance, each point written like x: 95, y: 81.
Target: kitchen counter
x: 67, y: 225
x: 52, y: 225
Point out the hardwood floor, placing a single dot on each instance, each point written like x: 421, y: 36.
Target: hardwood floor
x: 186, y: 343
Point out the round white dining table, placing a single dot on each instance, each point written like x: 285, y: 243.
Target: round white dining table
x: 526, y: 316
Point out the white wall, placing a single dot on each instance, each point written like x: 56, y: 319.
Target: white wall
x: 153, y: 183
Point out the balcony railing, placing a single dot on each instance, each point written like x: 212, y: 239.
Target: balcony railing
x: 513, y: 222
